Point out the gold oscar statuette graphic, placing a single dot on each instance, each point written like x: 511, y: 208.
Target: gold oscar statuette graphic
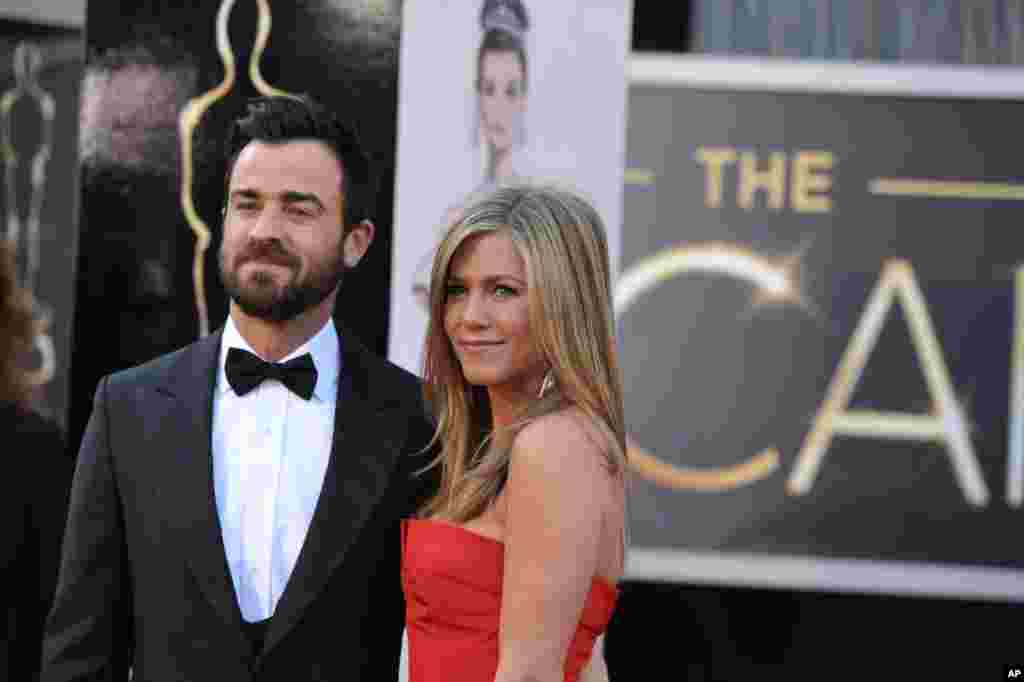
x: 26, y: 234
x: 190, y: 117
x: 774, y: 280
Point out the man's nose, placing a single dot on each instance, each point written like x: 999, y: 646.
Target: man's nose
x: 267, y: 224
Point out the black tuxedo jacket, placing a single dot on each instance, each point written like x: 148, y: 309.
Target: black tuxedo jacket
x: 33, y: 507
x: 144, y: 581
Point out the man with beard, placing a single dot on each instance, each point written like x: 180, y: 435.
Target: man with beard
x: 234, y: 513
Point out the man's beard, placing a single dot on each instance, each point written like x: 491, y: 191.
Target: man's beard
x: 261, y: 298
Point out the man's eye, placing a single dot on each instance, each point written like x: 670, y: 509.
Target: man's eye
x: 301, y: 211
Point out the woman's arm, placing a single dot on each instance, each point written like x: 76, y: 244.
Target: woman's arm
x: 556, y: 497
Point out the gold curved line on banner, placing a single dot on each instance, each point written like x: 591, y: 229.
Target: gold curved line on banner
x: 189, y: 118
x: 773, y: 280
x: 927, y: 188
x: 262, y: 36
x: 7, y: 152
x: 687, y: 478
x: 187, y: 121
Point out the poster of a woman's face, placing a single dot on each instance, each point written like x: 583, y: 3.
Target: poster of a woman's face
x: 501, y: 84
x: 518, y: 90
x: 502, y: 90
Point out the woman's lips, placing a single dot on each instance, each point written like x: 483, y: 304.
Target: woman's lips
x: 476, y: 346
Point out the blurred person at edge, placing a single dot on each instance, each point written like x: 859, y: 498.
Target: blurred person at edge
x: 34, y: 492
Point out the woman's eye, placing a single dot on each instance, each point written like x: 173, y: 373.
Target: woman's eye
x: 454, y: 290
x: 502, y: 291
x: 245, y: 206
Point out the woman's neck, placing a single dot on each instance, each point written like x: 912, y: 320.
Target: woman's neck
x: 500, y: 164
x: 508, y: 403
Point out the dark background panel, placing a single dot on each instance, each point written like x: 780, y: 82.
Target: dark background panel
x: 57, y: 57
x: 145, y: 60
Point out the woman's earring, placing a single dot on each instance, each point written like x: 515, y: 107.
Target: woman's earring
x: 547, y: 384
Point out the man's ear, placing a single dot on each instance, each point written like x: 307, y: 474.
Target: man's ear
x: 357, y: 241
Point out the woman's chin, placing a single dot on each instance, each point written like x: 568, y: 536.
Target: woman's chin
x: 482, y: 379
x: 500, y: 144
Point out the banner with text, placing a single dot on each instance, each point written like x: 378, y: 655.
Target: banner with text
x: 820, y: 318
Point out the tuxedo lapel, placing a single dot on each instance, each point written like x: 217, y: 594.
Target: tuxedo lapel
x: 188, y: 493
x: 369, y: 430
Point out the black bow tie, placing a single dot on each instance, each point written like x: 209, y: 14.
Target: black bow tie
x: 246, y: 371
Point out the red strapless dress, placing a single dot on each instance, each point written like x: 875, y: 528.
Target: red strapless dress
x: 452, y: 582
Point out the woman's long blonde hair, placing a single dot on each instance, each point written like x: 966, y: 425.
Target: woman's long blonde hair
x: 562, y: 242
x: 18, y: 328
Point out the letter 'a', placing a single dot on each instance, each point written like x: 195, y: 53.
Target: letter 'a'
x: 946, y: 425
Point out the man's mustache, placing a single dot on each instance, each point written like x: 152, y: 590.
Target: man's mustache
x: 269, y: 251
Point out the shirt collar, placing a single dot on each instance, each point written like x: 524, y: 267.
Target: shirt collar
x: 324, y: 346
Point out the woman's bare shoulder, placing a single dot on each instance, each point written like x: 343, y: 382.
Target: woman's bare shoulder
x: 566, y: 442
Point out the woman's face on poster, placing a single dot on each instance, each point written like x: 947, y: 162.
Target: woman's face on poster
x: 502, y: 90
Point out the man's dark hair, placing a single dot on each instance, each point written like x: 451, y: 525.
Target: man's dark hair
x: 286, y: 118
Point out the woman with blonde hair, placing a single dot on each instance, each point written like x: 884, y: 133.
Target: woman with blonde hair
x: 511, y: 569
x: 34, y: 490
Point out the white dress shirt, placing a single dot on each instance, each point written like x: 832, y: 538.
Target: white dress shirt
x: 270, y: 454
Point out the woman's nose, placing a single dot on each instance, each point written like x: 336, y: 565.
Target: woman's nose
x: 475, y: 311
